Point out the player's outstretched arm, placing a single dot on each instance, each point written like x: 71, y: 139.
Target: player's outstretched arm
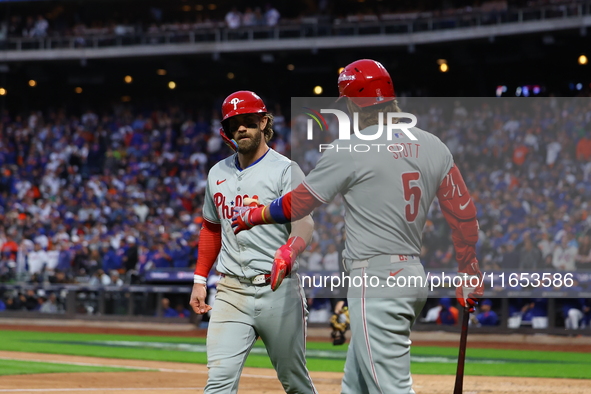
x: 292, y: 206
x: 210, y: 243
x: 286, y: 255
x: 460, y: 213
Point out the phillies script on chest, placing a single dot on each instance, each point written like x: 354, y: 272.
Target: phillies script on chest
x: 224, y: 205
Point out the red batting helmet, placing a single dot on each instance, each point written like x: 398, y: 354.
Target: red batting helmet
x: 238, y: 103
x: 366, y: 82
x: 242, y: 102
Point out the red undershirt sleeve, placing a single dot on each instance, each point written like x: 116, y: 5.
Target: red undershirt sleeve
x: 210, y: 243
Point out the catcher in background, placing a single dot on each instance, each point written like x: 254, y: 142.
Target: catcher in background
x: 249, y: 301
x: 340, y: 322
x: 387, y: 195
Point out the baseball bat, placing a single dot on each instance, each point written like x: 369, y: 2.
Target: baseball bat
x: 459, y: 386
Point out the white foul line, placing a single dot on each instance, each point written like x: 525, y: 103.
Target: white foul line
x: 101, y: 365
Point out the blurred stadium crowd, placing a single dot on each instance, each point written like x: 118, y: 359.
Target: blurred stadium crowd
x: 101, y: 198
x: 123, y: 190
x: 113, y: 192
x: 529, y: 169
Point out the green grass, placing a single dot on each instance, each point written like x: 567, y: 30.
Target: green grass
x: 15, y: 367
x: 322, y: 356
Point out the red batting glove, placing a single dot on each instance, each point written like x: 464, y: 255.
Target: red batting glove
x: 245, y: 218
x: 284, y: 259
x: 472, y: 289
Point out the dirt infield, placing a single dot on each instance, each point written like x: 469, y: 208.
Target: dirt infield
x: 170, y: 377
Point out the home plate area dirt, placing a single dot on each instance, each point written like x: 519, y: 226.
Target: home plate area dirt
x: 167, y: 377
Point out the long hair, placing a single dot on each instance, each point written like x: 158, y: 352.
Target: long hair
x: 268, y: 131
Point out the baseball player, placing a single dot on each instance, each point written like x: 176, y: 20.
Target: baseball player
x: 387, y: 195
x: 249, y: 301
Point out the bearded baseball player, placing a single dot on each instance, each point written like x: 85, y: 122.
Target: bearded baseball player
x: 387, y: 195
x: 250, y: 302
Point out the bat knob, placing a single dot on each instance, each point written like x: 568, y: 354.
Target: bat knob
x: 250, y: 202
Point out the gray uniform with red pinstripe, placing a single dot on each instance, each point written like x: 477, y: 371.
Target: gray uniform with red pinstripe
x: 387, y: 195
x: 243, y: 311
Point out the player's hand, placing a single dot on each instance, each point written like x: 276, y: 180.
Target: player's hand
x: 243, y: 217
x: 472, y: 288
x: 282, y: 264
x: 197, y: 301
x: 285, y: 256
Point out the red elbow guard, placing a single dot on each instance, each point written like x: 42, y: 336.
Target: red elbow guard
x: 460, y: 213
x: 454, y: 197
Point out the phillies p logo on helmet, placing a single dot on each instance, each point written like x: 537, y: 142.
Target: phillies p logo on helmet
x: 235, y: 102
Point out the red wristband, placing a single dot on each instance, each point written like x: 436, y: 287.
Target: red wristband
x: 256, y: 216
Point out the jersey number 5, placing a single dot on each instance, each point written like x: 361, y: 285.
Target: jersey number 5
x: 411, y: 210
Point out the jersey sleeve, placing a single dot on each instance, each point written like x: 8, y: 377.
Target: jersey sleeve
x: 447, y: 162
x: 210, y: 213
x: 292, y: 176
x: 334, y: 172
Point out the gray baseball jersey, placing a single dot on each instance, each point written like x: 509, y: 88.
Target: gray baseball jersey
x: 249, y: 253
x: 242, y: 312
x: 387, y: 193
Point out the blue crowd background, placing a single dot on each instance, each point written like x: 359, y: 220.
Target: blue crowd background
x: 102, y: 197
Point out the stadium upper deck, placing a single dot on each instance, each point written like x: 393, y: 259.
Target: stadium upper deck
x: 225, y: 29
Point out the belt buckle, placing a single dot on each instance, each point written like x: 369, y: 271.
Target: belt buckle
x: 262, y: 279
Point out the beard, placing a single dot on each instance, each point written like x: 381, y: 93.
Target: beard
x: 246, y: 146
